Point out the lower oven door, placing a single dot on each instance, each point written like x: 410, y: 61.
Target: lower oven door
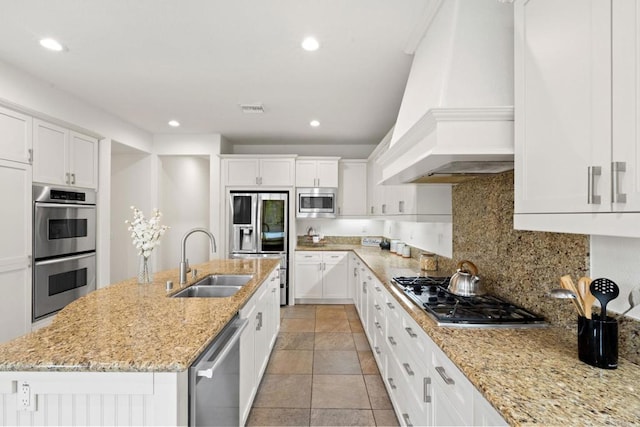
x: 59, y: 281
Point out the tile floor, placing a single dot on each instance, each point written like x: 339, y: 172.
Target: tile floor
x: 321, y: 373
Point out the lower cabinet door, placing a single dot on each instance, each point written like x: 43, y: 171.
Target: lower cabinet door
x: 308, y: 280
x: 248, y: 376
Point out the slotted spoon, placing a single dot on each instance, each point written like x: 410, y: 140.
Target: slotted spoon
x: 634, y: 299
x: 604, y: 290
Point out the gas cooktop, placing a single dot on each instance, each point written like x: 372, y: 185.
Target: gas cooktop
x: 447, y: 309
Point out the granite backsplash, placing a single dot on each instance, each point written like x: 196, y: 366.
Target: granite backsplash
x: 521, y: 266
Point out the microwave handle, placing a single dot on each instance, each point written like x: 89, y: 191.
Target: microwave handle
x: 64, y: 205
x: 70, y: 258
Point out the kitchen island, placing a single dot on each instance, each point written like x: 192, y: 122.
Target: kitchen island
x: 530, y: 376
x: 127, y: 345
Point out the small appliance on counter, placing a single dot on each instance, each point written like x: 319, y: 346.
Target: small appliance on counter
x: 448, y: 309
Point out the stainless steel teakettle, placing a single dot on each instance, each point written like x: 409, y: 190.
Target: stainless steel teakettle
x: 466, y: 282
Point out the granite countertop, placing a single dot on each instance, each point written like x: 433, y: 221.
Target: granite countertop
x: 129, y: 327
x: 531, y: 376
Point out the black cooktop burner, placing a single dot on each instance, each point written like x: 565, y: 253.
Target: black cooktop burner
x: 449, y: 309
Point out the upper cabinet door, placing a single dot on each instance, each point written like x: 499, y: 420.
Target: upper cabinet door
x: 327, y: 173
x: 50, y: 156
x: 83, y: 162
x: 15, y: 136
x: 563, y: 106
x: 277, y: 172
x: 352, y: 187
x: 241, y: 172
x: 306, y: 173
x: 626, y: 108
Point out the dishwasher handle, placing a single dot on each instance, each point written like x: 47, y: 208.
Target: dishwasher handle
x: 225, y: 350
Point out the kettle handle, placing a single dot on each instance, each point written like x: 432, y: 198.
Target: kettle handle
x: 473, y: 270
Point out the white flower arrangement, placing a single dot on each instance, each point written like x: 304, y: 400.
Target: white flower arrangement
x: 146, y: 233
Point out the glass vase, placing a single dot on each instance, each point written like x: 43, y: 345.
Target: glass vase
x: 144, y: 272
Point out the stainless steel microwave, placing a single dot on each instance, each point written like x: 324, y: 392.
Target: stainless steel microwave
x: 316, y: 202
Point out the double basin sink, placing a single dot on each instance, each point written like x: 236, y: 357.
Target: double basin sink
x: 215, y: 286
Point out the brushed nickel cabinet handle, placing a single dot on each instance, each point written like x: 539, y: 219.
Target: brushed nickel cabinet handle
x: 391, y: 383
x: 425, y: 384
x: 616, y: 169
x: 391, y: 306
x: 393, y: 341
x: 407, y: 368
x: 447, y: 379
x: 73, y: 178
x: 410, y: 332
x: 30, y: 155
x: 407, y: 421
x: 592, y: 172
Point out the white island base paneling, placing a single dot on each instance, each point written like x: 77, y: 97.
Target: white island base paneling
x: 94, y: 398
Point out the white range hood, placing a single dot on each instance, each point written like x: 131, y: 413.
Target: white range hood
x: 456, y: 117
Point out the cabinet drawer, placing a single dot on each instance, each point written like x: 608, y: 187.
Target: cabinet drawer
x: 450, y: 381
x: 334, y: 256
x: 308, y: 256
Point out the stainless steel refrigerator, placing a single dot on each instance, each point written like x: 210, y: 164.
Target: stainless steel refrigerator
x: 259, y: 228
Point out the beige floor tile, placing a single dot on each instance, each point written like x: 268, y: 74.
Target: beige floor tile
x: 385, y: 417
x: 297, y: 325
x: 332, y: 325
x: 278, y: 417
x: 361, y: 342
x: 295, y: 341
x: 377, y: 392
x: 299, y: 312
x: 334, y: 341
x: 336, y: 362
x: 331, y: 314
x: 368, y: 363
x: 291, y: 362
x: 339, y: 391
x: 342, y: 417
x: 353, y: 315
x: 356, y: 326
x: 284, y: 391
x: 330, y: 307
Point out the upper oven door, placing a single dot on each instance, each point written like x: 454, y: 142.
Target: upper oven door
x: 61, y: 229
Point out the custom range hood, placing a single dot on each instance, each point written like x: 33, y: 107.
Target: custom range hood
x: 456, y: 117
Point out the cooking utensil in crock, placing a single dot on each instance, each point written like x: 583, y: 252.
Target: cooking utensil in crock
x: 634, y: 300
x: 604, y: 290
x: 587, y: 297
x: 567, y: 283
x: 565, y: 294
x: 465, y: 281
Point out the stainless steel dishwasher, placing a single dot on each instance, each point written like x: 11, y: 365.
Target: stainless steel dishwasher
x: 214, y: 380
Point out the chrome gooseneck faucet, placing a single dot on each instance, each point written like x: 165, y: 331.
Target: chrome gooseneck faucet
x: 184, y: 263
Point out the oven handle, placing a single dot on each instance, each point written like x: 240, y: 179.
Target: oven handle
x: 69, y: 258
x: 64, y: 205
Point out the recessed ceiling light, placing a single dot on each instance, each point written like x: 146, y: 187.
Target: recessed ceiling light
x: 310, y: 44
x: 174, y: 123
x: 52, y: 44
x: 314, y: 123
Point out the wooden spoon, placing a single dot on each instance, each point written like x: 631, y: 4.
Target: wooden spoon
x: 587, y: 297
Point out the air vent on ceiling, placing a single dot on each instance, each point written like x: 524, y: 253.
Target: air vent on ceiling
x: 252, y: 108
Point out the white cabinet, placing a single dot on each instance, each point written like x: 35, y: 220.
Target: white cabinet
x: 317, y: 172
x: 264, y: 171
x: 15, y: 136
x: 321, y: 275
x: 257, y: 340
x: 576, y: 127
x: 424, y: 385
x: 64, y: 157
x: 352, y: 194
x: 15, y: 253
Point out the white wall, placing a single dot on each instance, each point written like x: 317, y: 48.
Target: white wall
x: 617, y: 258
x: 346, y: 151
x: 341, y: 227
x: 433, y: 237
x: 184, y: 203
x: 130, y: 186
x: 20, y: 90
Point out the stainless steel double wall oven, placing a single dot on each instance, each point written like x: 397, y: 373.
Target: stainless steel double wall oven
x: 64, y: 247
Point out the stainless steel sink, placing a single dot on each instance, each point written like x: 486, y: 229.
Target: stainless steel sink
x: 219, y: 291
x: 224, y: 280
x: 215, y: 286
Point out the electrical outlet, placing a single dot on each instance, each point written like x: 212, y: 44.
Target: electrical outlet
x: 26, y: 401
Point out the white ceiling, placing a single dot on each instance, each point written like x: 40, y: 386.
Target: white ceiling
x: 149, y: 61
